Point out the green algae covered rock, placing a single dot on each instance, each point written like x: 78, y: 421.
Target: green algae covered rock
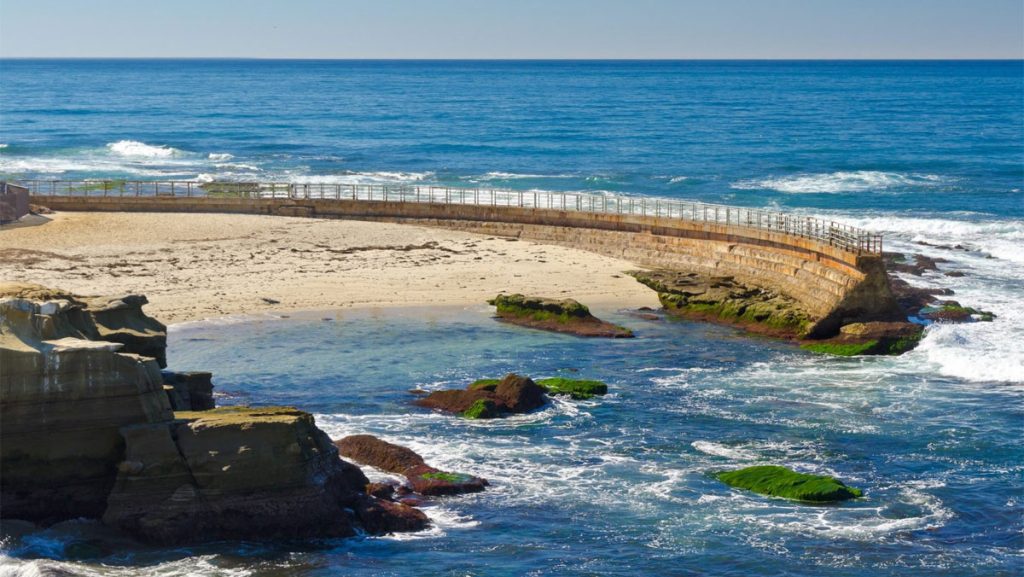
x: 871, y: 338
x: 481, y: 409
x: 782, y: 482
x: 576, y: 388
x: 560, y: 316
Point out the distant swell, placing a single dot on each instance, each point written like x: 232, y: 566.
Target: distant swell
x: 838, y: 182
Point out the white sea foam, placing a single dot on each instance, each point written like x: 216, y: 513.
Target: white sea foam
x: 678, y: 179
x: 3, y: 145
x: 377, y: 177
x: 842, y: 181
x: 720, y: 450
x: 497, y: 175
x: 141, y: 149
x: 220, y: 156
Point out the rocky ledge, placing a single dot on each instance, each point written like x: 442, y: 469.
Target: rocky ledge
x: 560, y: 316
x: 89, y: 431
x: 724, y: 300
x: 422, y: 478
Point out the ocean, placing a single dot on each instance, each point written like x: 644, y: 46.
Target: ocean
x: 931, y: 154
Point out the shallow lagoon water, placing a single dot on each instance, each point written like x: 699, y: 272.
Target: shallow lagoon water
x: 620, y: 485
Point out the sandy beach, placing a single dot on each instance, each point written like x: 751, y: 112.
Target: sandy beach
x: 196, y: 266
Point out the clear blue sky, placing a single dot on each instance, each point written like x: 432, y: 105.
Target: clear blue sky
x: 514, y: 28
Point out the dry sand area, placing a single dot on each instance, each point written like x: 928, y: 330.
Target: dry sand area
x: 196, y: 266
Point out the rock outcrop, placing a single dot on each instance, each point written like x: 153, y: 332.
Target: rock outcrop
x: 241, y: 473
x: 724, y: 300
x: 512, y: 394
x: 88, y: 431
x: 874, y: 338
x: 423, y: 479
x: 560, y: 316
x: 65, y: 395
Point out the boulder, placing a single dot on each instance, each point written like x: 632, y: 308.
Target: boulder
x: 561, y: 316
x: 424, y: 479
x: 575, y: 388
x: 488, y: 399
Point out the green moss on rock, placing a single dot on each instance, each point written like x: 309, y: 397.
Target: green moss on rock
x: 577, y: 388
x: 481, y: 409
x: 447, y: 477
x: 484, y: 385
x: 782, y: 482
x: 841, y: 349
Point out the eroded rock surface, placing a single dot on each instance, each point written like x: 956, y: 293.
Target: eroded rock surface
x: 560, y: 316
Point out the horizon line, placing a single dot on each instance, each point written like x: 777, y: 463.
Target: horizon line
x: 585, y: 59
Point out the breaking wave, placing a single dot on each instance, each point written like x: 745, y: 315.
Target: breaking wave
x: 141, y: 149
x: 839, y: 182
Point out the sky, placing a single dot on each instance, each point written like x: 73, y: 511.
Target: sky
x: 563, y: 29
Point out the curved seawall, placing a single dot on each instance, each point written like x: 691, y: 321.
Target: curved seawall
x: 834, y: 283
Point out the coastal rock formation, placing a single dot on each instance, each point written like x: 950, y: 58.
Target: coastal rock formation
x: 65, y: 393
x: 241, y: 473
x: 512, y: 394
x: 782, y: 482
x: 189, y: 391
x: 88, y: 432
x: 424, y: 479
x: 722, y: 299
x: 874, y: 338
x: 561, y: 316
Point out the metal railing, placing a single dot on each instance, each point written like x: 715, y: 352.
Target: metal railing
x: 832, y: 233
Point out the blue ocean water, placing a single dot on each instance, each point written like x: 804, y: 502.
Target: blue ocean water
x: 924, y: 152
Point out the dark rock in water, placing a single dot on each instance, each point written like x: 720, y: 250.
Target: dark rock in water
x: 190, y: 391
x: 724, y: 300
x: 424, y: 479
x: 379, y: 516
x: 874, y: 338
x: 953, y: 312
x: 487, y: 398
x: 369, y: 450
x: 381, y: 490
x: 782, y: 482
x: 240, y: 473
x: 576, y: 388
x: 897, y: 262
x: 561, y: 316
x: 912, y: 299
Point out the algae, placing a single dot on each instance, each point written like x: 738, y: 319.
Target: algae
x: 481, y: 409
x: 779, y: 481
x: 576, y: 388
x: 447, y: 477
x: 841, y: 349
x: 484, y: 385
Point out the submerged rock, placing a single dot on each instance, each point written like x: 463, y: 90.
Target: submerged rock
x: 424, y: 479
x: 488, y: 398
x: 782, y: 482
x: 561, y: 316
x: 724, y: 300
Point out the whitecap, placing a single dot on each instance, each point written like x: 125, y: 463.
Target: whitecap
x: 3, y: 145
x: 220, y: 156
x: 841, y: 181
x: 376, y: 177
x: 135, y: 148
x: 720, y: 450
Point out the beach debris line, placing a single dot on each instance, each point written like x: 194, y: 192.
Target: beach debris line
x: 421, y: 477
x: 561, y: 316
x: 777, y: 481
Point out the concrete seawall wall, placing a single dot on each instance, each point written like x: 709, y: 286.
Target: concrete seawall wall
x: 833, y: 285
